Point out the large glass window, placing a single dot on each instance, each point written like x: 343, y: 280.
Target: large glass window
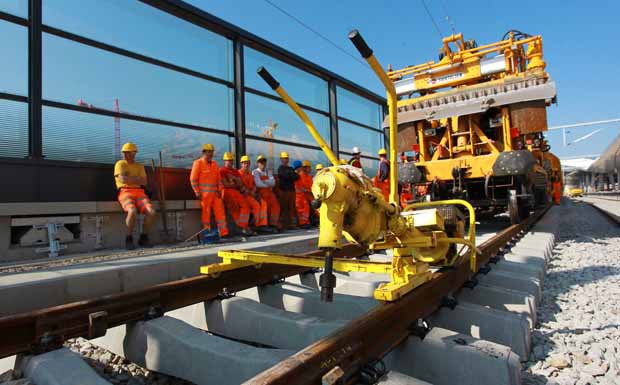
x: 138, y: 27
x: 14, y: 62
x: 15, y: 7
x: 73, y: 71
x: 86, y: 137
x: 357, y: 108
x: 272, y: 152
x: 13, y: 129
x: 266, y: 117
x: 304, y: 87
x: 350, y: 135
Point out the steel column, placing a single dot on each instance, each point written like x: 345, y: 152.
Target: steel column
x: 35, y: 142
x: 333, y: 118
x: 239, y: 81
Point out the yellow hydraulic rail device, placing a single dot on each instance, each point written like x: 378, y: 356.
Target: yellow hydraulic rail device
x: 350, y: 206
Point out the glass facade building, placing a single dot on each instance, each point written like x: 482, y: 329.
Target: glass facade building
x: 81, y: 77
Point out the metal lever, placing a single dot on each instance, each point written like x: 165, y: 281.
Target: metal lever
x: 327, y: 280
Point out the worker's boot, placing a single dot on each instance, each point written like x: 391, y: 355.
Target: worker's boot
x: 247, y: 232
x: 129, y: 243
x: 144, y: 241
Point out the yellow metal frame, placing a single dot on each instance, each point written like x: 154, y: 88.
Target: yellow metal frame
x: 415, y: 245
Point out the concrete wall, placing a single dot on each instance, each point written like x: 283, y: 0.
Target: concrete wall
x: 183, y: 221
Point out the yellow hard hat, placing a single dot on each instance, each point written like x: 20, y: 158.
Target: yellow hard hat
x: 245, y: 158
x: 208, y: 147
x: 306, y: 163
x: 343, y: 162
x: 260, y: 157
x: 129, y: 147
x: 382, y: 152
x: 228, y: 156
x: 318, y: 166
x: 284, y: 155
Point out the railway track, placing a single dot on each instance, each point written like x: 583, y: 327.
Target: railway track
x: 342, y: 354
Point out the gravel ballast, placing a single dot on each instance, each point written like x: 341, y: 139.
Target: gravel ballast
x: 577, y: 338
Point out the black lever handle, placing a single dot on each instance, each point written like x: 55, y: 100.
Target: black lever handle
x: 359, y: 43
x: 263, y: 73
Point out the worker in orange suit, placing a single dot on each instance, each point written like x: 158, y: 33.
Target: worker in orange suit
x: 130, y: 178
x: 406, y: 195
x: 234, y: 194
x: 205, y: 180
x: 557, y: 190
x: 382, y: 179
x: 265, y: 182
x: 303, y: 186
x: 258, y: 206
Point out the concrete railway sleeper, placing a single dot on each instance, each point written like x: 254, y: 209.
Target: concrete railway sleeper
x: 267, y: 326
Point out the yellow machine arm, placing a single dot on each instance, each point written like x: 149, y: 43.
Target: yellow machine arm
x: 351, y: 207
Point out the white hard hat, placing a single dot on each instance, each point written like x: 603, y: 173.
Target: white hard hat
x: 356, y: 150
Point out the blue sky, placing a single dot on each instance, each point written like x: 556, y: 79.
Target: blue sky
x: 579, y: 42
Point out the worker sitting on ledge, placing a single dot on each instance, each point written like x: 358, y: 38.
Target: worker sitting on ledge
x: 264, y: 181
x: 234, y: 194
x: 130, y: 179
x: 303, y: 194
x: 286, y: 187
x: 205, y: 181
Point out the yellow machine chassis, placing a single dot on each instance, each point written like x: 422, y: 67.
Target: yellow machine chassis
x: 407, y: 270
x: 477, y: 166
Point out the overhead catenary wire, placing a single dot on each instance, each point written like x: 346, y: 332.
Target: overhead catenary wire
x: 449, y: 20
x: 317, y: 33
x: 430, y: 15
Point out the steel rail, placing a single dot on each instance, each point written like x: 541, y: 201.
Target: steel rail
x: 46, y: 329
x: 376, y: 333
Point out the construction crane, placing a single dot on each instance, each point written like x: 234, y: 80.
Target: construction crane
x: 117, y: 124
x: 268, y: 133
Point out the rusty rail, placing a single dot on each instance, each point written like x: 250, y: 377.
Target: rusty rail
x: 48, y: 328
x: 377, y: 332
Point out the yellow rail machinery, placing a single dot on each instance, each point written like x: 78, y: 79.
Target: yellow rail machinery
x: 421, y: 236
x: 475, y: 121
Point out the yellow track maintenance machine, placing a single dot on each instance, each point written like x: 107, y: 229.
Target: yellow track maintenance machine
x: 422, y: 236
x: 475, y: 121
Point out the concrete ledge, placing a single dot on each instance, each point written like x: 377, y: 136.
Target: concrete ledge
x: 23, y: 292
x: 502, y: 299
x: 499, y: 326
x: 302, y: 299
x: 445, y: 357
x: 173, y: 347
x: 60, y: 367
x: 61, y: 208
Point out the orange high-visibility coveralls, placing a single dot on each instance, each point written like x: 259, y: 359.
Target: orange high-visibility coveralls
x: 265, y: 182
x: 303, y: 197
x: 205, y: 181
x: 234, y: 200
x: 405, y: 196
x: 383, y: 185
x: 557, y: 192
x: 258, y: 207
